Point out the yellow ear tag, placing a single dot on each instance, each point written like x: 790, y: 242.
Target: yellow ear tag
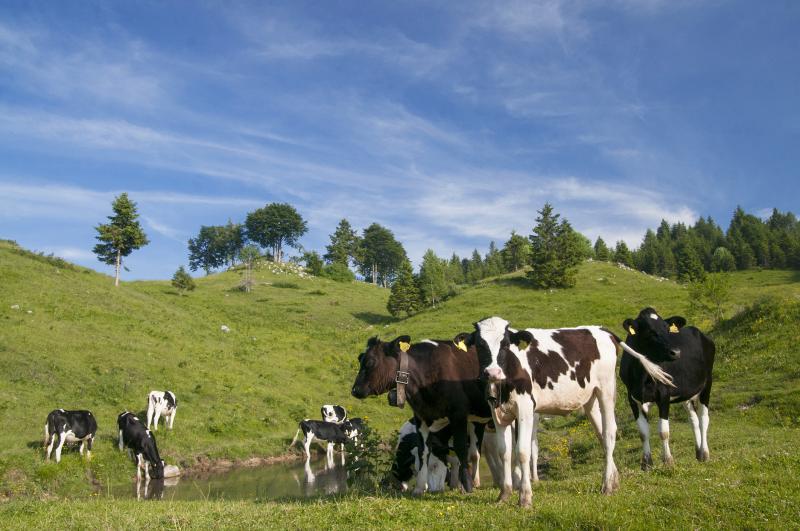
x: 404, y: 346
x: 631, y: 330
x: 462, y: 345
x: 523, y: 345
x: 673, y: 328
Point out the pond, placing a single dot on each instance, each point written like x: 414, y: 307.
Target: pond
x: 289, y: 480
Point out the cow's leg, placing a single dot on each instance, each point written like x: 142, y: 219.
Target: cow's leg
x: 120, y: 440
x: 89, y: 444
x: 83, y: 447
x: 704, y: 420
x: 307, y: 444
x: 138, y: 468
x: 156, y: 416
x: 644, y: 433
x: 50, y: 446
x: 524, y: 436
x: 150, y: 412
x: 535, y: 448
x: 172, y: 417
x: 460, y: 445
x: 607, y: 400
x: 663, y: 432
x: 474, y: 456
x: 61, y: 437
x: 695, y: 422
x: 503, y: 437
x: 422, y: 475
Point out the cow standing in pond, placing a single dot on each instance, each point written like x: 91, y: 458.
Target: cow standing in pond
x: 441, y: 382
x: 134, y: 435
x: 161, y: 403
x: 684, y: 353
x: 548, y: 371
x: 69, y: 426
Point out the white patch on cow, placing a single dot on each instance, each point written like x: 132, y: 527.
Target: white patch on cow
x: 492, y: 330
x: 545, y: 341
x: 405, y: 430
x: 695, y: 422
x: 654, y: 317
x: 437, y: 474
x: 439, y: 424
x: 430, y: 342
x: 644, y: 433
x: 704, y: 420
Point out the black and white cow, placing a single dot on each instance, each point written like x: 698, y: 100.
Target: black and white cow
x: 69, y: 426
x: 333, y: 413
x: 324, y: 431
x: 554, y: 371
x: 684, y: 353
x: 443, y: 389
x: 134, y: 435
x: 161, y: 403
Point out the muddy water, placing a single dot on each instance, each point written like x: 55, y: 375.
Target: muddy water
x: 281, y: 481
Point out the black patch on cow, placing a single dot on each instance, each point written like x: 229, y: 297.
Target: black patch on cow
x: 572, y: 375
x: 549, y: 385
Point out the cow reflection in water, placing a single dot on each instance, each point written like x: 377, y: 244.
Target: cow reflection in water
x: 153, y: 489
x: 331, y: 479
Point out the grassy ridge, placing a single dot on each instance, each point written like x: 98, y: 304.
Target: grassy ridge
x: 293, y: 346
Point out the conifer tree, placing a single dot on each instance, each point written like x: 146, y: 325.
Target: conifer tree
x: 433, y: 282
x: 601, y: 251
x: 344, y: 245
x: 516, y: 252
x: 689, y: 267
x: 556, y: 250
x: 622, y: 254
x: 405, y: 296
x: 121, y: 236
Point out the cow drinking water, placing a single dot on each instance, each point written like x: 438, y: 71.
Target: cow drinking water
x: 134, y: 435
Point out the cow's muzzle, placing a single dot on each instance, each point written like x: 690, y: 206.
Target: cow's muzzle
x: 495, y: 374
x: 675, y: 353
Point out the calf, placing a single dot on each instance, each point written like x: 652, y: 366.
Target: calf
x: 335, y: 414
x: 69, y: 426
x: 441, y: 382
x: 547, y: 371
x: 142, y: 443
x: 684, y: 353
x: 407, y: 453
x: 158, y: 403
x: 324, y: 431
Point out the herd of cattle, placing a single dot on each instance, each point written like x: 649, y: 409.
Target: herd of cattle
x: 481, y: 393
x: 81, y: 426
x: 499, y: 380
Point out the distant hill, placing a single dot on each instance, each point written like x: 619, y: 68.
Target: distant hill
x: 70, y: 339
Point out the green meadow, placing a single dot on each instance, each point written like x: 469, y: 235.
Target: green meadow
x: 69, y: 339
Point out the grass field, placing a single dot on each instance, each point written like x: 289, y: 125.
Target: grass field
x: 293, y: 345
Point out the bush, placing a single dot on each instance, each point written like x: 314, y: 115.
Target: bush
x: 183, y: 281
x: 338, y: 272
x: 369, y: 462
x: 708, y: 296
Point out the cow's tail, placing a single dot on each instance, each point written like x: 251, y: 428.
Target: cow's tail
x: 296, y: 435
x: 656, y: 372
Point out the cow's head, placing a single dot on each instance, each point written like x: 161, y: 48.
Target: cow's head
x: 493, y: 339
x: 335, y: 414
x: 649, y: 334
x: 378, y: 366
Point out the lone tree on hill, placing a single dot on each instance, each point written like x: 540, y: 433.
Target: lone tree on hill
x: 556, y: 251
x: 275, y: 225
x: 121, y: 236
x: 182, y: 281
x: 405, y: 295
x: 248, y: 256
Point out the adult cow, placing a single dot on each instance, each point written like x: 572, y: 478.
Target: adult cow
x: 684, y: 353
x: 161, y: 403
x: 440, y: 380
x: 553, y: 371
x: 69, y: 426
x: 134, y: 435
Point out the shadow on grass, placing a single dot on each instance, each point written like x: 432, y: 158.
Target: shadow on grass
x: 374, y: 318
x: 514, y: 282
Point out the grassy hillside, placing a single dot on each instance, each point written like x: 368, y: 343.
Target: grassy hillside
x: 293, y: 345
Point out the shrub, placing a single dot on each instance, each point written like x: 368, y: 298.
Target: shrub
x: 183, y: 281
x: 338, y: 272
x: 369, y: 462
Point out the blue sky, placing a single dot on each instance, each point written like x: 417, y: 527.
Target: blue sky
x: 449, y: 122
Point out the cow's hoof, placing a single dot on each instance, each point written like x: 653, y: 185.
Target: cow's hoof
x: 703, y: 456
x: 505, y: 494
x: 611, y: 485
x: 525, y: 500
x: 647, y: 462
x: 466, y: 481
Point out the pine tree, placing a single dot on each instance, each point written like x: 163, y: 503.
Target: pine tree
x: 344, y: 245
x: 475, y: 271
x: 689, y: 267
x: 493, y: 264
x: 622, y: 255
x: 556, y: 250
x: 455, y: 273
x: 601, y: 252
x: 516, y: 252
x: 121, y: 236
x: 182, y: 281
x: 405, y: 296
x: 433, y: 282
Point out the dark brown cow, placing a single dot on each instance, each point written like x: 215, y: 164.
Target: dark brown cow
x: 443, y: 389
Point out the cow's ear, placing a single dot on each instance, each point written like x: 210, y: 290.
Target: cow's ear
x: 464, y: 340
x: 521, y: 339
x: 630, y: 326
x: 373, y: 341
x: 676, y: 322
x: 401, y: 344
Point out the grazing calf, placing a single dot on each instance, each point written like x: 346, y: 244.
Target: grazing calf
x: 331, y: 413
x: 69, y: 426
x: 142, y: 443
x: 158, y: 403
x: 324, y: 431
x: 407, y: 453
x: 440, y: 380
x: 684, y: 353
x: 547, y: 371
